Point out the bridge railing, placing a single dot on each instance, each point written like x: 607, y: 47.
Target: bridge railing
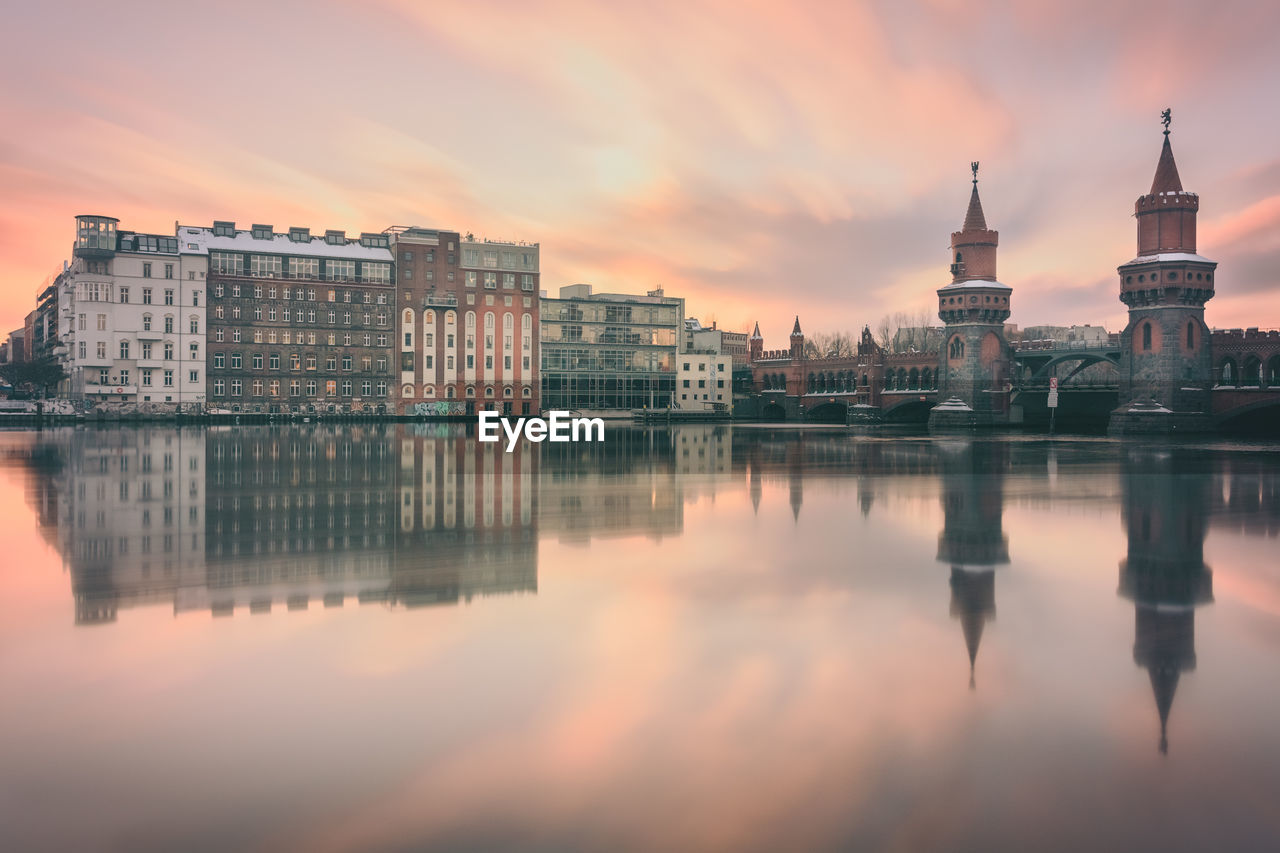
x: 1061, y: 346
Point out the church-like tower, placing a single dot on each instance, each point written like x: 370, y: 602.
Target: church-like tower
x: 974, y: 360
x: 755, y: 344
x: 1166, y: 365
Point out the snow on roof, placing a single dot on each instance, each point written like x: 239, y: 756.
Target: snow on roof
x: 1170, y: 256
x: 198, y: 240
x: 978, y: 282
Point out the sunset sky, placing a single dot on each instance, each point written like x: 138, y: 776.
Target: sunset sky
x: 759, y: 159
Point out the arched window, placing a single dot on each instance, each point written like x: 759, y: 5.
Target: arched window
x: 406, y: 391
x: 902, y: 377
x: 429, y: 318
x: 408, y: 317
x: 506, y: 392
x: 471, y: 319
x: 526, y: 322
x: 450, y: 317
x: 913, y: 378
x: 1272, y: 375
x: 527, y: 392
x: 488, y: 392
x: 1146, y: 336
x: 429, y: 391
x: 813, y: 383
x: 959, y: 257
x: 1191, y: 335
x: 471, y: 391
x: 864, y: 380
x: 448, y: 392
x: 1251, y: 371
x: 1228, y: 372
x: 956, y: 350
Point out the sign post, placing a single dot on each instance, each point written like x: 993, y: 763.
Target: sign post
x: 1053, y: 402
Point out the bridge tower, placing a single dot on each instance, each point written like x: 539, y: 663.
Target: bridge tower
x: 1166, y: 362
x: 973, y: 362
x: 755, y: 344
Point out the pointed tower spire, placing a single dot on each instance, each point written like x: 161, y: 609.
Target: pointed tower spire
x: 1166, y: 179
x: 756, y: 334
x: 973, y: 218
x: 795, y: 330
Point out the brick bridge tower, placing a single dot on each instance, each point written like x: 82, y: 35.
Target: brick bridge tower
x: 755, y: 344
x: 973, y: 364
x: 1166, y: 363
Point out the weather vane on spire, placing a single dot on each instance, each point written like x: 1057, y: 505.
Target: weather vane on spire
x: 974, y: 167
x: 1166, y: 117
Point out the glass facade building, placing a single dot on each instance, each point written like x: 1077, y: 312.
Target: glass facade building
x: 609, y: 350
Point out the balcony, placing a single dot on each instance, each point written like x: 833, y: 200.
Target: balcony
x: 446, y: 300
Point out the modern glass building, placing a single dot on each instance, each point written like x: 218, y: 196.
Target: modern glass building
x: 609, y: 350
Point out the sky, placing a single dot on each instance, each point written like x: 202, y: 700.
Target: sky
x: 761, y: 160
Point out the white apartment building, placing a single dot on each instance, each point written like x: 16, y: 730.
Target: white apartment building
x: 131, y: 318
x: 704, y: 381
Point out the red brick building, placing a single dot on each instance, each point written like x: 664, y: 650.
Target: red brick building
x: 467, y: 313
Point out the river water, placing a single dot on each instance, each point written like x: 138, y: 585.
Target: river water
x: 703, y: 637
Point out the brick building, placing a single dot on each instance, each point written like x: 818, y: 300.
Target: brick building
x: 296, y: 323
x: 467, y: 325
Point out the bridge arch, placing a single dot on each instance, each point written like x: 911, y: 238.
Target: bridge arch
x: 832, y: 412
x: 1271, y: 376
x: 1086, y: 359
x: 1265, y: 410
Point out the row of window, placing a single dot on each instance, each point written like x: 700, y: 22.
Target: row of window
x: 300, y: 316
x: 296, y: 387
x: 146, y: 350
x: 272, y: 361
x: 287, y: 336
x: 406, y: 362
x: 100, y: 291
x: 193, y: 323
x: 122, y: 377
x: 450, y: 393
x: 512, y: 259
x: 297, y: 294
x: 319, y: 269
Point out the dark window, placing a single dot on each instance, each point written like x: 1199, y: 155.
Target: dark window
x: 1146, y: 336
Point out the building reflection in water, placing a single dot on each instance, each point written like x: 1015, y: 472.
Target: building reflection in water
x: 1166, y: 507
x: 973, y: 540
x: 262, y: 519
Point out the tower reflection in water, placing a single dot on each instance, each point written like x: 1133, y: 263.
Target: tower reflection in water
x: 973, y: 540
x: 1166, y: 507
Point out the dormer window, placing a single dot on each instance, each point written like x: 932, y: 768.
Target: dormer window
x: 335, y: 238
x: 224, y: 229
x: 300, y: 235
x: 262, y: 232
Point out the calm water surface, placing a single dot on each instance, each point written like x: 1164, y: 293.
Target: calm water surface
x: 394, y: 638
